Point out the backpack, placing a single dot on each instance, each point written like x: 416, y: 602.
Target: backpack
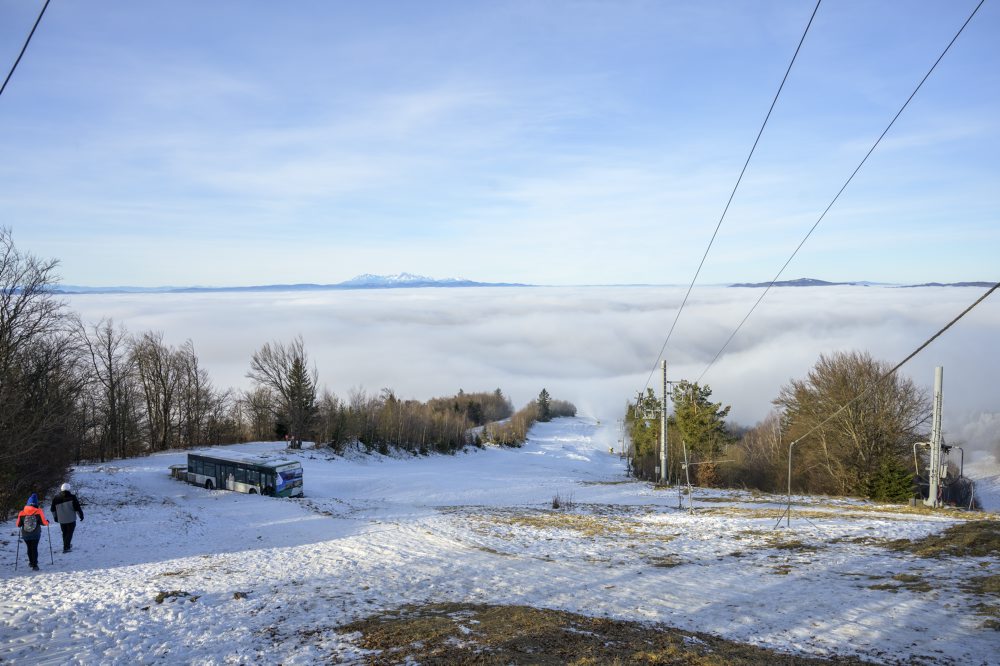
x: 30, y: 526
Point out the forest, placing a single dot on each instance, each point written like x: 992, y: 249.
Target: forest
x: 849, y: 428
x: 72, y: 391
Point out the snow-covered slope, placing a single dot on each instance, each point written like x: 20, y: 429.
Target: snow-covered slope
x: 985, y: 471
x: 248, y: 579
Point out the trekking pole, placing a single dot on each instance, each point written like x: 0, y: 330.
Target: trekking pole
x: 18, y: 553
x: 51, y: 556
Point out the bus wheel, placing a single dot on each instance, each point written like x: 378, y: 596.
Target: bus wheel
x: 209, y: 485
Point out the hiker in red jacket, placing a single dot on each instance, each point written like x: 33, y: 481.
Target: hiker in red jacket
x: 30, y: 520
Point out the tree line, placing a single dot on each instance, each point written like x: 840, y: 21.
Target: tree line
x: 71, y: 391
x: 863, y: 450
x: 514, y: 431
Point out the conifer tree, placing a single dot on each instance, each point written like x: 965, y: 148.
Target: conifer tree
x: 544, y: 405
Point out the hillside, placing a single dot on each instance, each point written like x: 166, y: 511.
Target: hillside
x: 166, y: 571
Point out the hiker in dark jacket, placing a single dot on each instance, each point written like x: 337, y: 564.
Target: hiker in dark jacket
x: 30, y: 520
x: 65, y: 509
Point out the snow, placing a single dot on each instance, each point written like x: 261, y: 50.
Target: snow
x: 376, y: 532
x: 985, y: 471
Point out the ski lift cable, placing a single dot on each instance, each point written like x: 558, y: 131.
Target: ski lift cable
x: 899, y: 365
x: 732, y: 194
x: 839, y: 192
x: 25, y: 47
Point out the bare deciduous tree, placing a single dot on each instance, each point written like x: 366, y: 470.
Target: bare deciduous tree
x: 844, y: 454
x: 159, y: 375
x: 284, y: 369
x: 112, y: 396
x: 40, y: 379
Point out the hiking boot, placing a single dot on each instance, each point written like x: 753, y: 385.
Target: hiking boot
x: 34, y: 567
x: 66, y: 550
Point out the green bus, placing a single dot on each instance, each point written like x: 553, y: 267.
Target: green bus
x: 245, y: 473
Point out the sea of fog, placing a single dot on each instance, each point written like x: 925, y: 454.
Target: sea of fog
x: 594, y: 346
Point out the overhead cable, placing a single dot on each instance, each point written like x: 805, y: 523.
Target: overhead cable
x: 733, y: 193
x: 25, y: 47
x: 839, y: 192
x: 899, y: 365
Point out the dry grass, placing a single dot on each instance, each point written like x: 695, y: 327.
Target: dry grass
x: 776, y: 540
x: 587, y: 524
x: 500, y: 635
x: 982, y: 585
x: 992, y: 614
x: 174, y: 594
x: 905, y: 581
x: 770, y: 514
x: 796, y: 545
x: 921, y: 510
x: 985, y: 586
x: 666, y: 561
x: 978, y: 538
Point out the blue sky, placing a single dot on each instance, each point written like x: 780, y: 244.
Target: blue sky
x: 180, y: 143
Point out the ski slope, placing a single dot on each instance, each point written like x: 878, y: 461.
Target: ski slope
x: 270, y: 580
x: 985, y: 471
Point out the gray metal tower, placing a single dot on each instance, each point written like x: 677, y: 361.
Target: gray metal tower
x: 663, y: 428
x: 935, y: 466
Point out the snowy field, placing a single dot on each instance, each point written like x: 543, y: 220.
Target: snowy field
x: 262, y: 580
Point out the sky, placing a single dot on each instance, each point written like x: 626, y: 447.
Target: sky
x: 593, y: 346
x: 559, y: 143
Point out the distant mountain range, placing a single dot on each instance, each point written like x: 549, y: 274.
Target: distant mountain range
x: 366, y: 281
x: 411, y: 281
x: 811, y: 282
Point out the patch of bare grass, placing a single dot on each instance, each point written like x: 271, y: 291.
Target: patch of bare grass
x: 584, y: 524
x: 982, y: 585
x: 905, y: 581
x: 771, y: 539
x: 991, y: 613
x: 921, y: 510
x: 862, y: 540
x: 174, y: 595
x: 665, y: 561
x: 769, y: 514
x: 795, y: 545
x: 495, y: 635
x: 978, y: 538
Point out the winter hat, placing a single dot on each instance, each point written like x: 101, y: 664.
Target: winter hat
x: 65, y: 488
x: 33, y: 500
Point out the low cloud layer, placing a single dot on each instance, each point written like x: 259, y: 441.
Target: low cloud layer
x: 594, y: 346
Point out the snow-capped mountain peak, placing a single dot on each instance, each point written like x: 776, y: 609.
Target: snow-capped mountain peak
x: 398, y: 279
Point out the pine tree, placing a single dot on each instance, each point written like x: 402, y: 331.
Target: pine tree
x: 700, y: 421
x: 890, y: 483
x: 544, y: 406
x: 301, y: 403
